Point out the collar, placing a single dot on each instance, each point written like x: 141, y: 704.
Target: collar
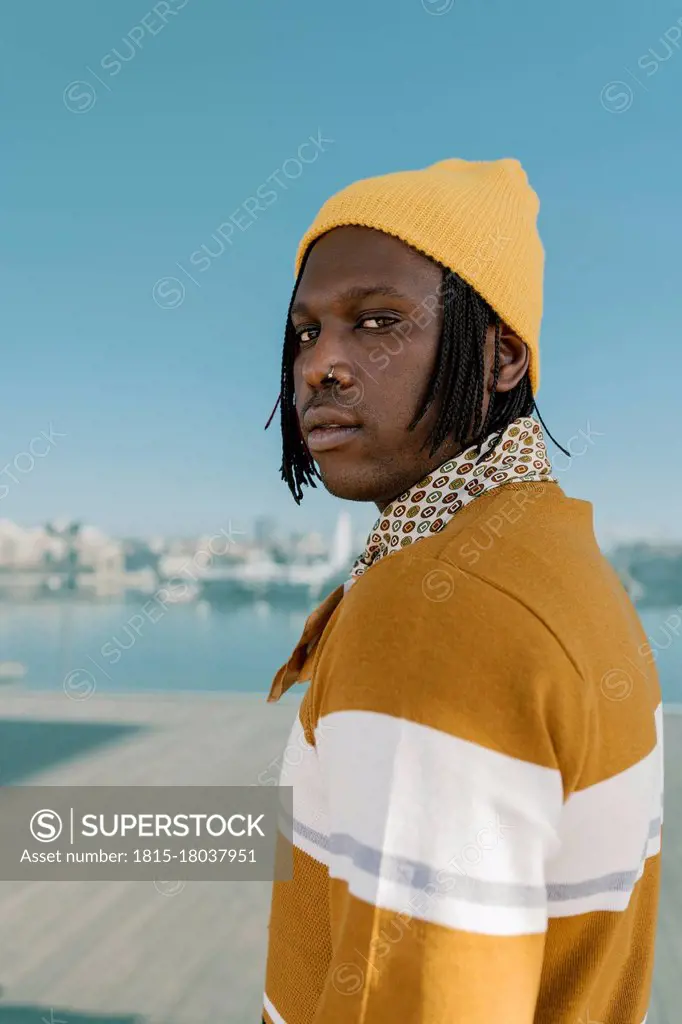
x: 519, y: 454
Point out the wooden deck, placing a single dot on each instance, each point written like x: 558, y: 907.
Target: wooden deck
x: 83, y: 953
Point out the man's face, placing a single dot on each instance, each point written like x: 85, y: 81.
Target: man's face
x: 370, y: 307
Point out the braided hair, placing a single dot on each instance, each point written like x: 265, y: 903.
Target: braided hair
x: 458, y: 377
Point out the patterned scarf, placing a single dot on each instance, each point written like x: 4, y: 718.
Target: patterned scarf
x: 423, y: 510
x: 427, y: 506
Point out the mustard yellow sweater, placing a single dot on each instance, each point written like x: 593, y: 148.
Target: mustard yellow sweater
x: 477, y: 781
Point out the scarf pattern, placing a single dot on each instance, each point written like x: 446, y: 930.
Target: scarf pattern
x: 424, y: 509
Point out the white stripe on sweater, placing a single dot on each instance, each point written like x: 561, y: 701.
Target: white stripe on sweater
x: 301, y: 770
x: 431, y: 825
x: 272, y: 1010
x: 421, y: 795
x: 397, y: 809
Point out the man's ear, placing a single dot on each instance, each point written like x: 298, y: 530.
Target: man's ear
x: 507, y: 332
x: 514, y: 358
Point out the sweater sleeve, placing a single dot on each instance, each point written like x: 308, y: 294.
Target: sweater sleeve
x: 435, y: 726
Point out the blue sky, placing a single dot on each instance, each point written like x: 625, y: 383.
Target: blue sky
x: 114, y: 171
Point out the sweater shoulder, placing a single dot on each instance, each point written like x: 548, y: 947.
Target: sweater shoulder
x: 513, y: 544
x: 417, y: 639
x: 516, y: 647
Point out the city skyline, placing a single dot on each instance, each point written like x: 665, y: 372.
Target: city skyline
x: 249, y: 533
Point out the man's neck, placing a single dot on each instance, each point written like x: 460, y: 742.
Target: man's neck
x: 443, y: 455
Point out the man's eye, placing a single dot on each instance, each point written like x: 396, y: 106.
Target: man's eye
x: 374, y: 323
x: 306, y: 335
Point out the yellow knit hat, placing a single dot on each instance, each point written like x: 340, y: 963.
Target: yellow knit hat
x: 476, y: 218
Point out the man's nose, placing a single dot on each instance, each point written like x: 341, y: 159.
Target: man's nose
x: 328, y: 356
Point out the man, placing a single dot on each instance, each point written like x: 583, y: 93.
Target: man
x: 477, y: 779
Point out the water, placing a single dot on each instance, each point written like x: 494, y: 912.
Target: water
x: 198, y: 647
x: 186, y: 647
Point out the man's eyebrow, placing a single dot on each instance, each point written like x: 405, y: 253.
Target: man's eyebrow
x: 355, y: 293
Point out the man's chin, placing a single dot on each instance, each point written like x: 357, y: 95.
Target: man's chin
x: 349, y: 484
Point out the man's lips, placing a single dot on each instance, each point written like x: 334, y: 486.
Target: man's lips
x: 322, y: 439
x: 328, y: 428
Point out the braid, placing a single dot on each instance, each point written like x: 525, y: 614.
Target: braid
x: 298, y: 468
x: 485, y: 431
x: 459, y: 373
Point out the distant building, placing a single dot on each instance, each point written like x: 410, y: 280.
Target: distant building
x: 100, y: 561
x: 27, y: 547
x: 264, y: 531
x: 310, y: 546
x: 141, y: 554
x: 59, y: 556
